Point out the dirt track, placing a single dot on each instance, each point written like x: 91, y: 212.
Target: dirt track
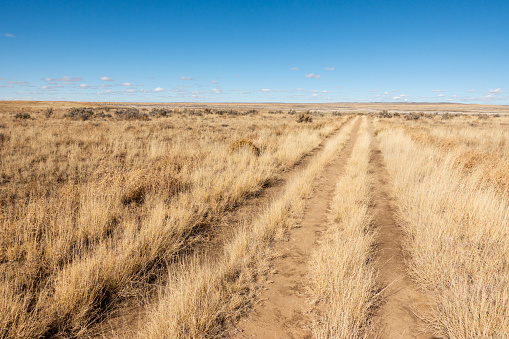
x: 284, y: 307
x: 401, y: 298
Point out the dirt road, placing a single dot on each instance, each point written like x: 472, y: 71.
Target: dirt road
x: 285, y: 305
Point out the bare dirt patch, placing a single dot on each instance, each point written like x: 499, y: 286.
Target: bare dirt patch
x: 402, y: 301
x: 284, y: 307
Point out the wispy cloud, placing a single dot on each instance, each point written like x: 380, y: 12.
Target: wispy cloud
x: 84, y: 86
x: 216, y: 91
x: 439, y: 90
x: 471, y: 90
x: 106, y: 79
x: 401, y: 96
x: 214, y: 82
x: 186, y: 78
x: 294, y: 69
x: 495, y: 91
x: 329, y: 68
x: 440, y: 95
x: 158, y: 89
x: 16, y: 82
x: 64, y: 79
x: 265, y: 90
x: 313, y: 76
x: 9, y: 35
x: 127, y: 84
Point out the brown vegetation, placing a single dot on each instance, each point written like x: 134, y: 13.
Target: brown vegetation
x: 102, y: 203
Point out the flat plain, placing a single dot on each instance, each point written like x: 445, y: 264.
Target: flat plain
x: 347, y: 220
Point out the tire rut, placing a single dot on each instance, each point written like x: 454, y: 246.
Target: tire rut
x: 284, y: 309
x: 402, y: 300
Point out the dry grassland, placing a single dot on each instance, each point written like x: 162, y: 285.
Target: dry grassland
x: 113, y: 210
x: 456, y: 220
x: 91, y: 210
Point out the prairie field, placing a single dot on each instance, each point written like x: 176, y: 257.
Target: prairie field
x: 253, y: 220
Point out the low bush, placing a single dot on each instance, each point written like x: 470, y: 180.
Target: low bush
x: 304, y: 117
x: 80, y: 113
x: 22, y: 115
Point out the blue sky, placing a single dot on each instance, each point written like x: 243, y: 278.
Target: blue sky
x: 257, y: 51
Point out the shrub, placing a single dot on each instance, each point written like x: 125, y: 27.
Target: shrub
x: 412, y: 116
x: 161, y: 112
x: 244, y: 143
x: 304, y: 117
x: 384, y: 114
x: 337, y: 113
x: 482, y: 116
x: 22, y: 115
x: 80, y: 113
x: 49, y: 112
x: 131, y: 114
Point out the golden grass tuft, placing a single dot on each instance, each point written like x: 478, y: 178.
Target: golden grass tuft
x: 245, y: 143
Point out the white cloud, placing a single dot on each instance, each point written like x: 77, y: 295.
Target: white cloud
x: 471, y: 90
x: 313, y: 91
x: 127, y: 84
x: 387, y: 93
x: 64, y: 79
x: 84, y: 86
x: 329, y: 68
x: 216, y: 91
x: 265, y: 90
x: 299, y: 89
x: 495, y: 91
x: 214, y: 82
x: 313, y: 76
x: 314, y: 95
x: 325, y: 91
x: 16, y: 82
x: 130, y: 91
x: 9, y: 35
x: 401, y: 96
x: 441, y: 95
x: 439, y: 90
x: 185, y: 78
x: 158, y: 89
x: 294, y: 69
x: 106, y: 79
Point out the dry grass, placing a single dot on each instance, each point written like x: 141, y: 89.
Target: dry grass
x: 91, y: 210
x: 343, y: 271
x: 458, y: 239
x: 202, y: 302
